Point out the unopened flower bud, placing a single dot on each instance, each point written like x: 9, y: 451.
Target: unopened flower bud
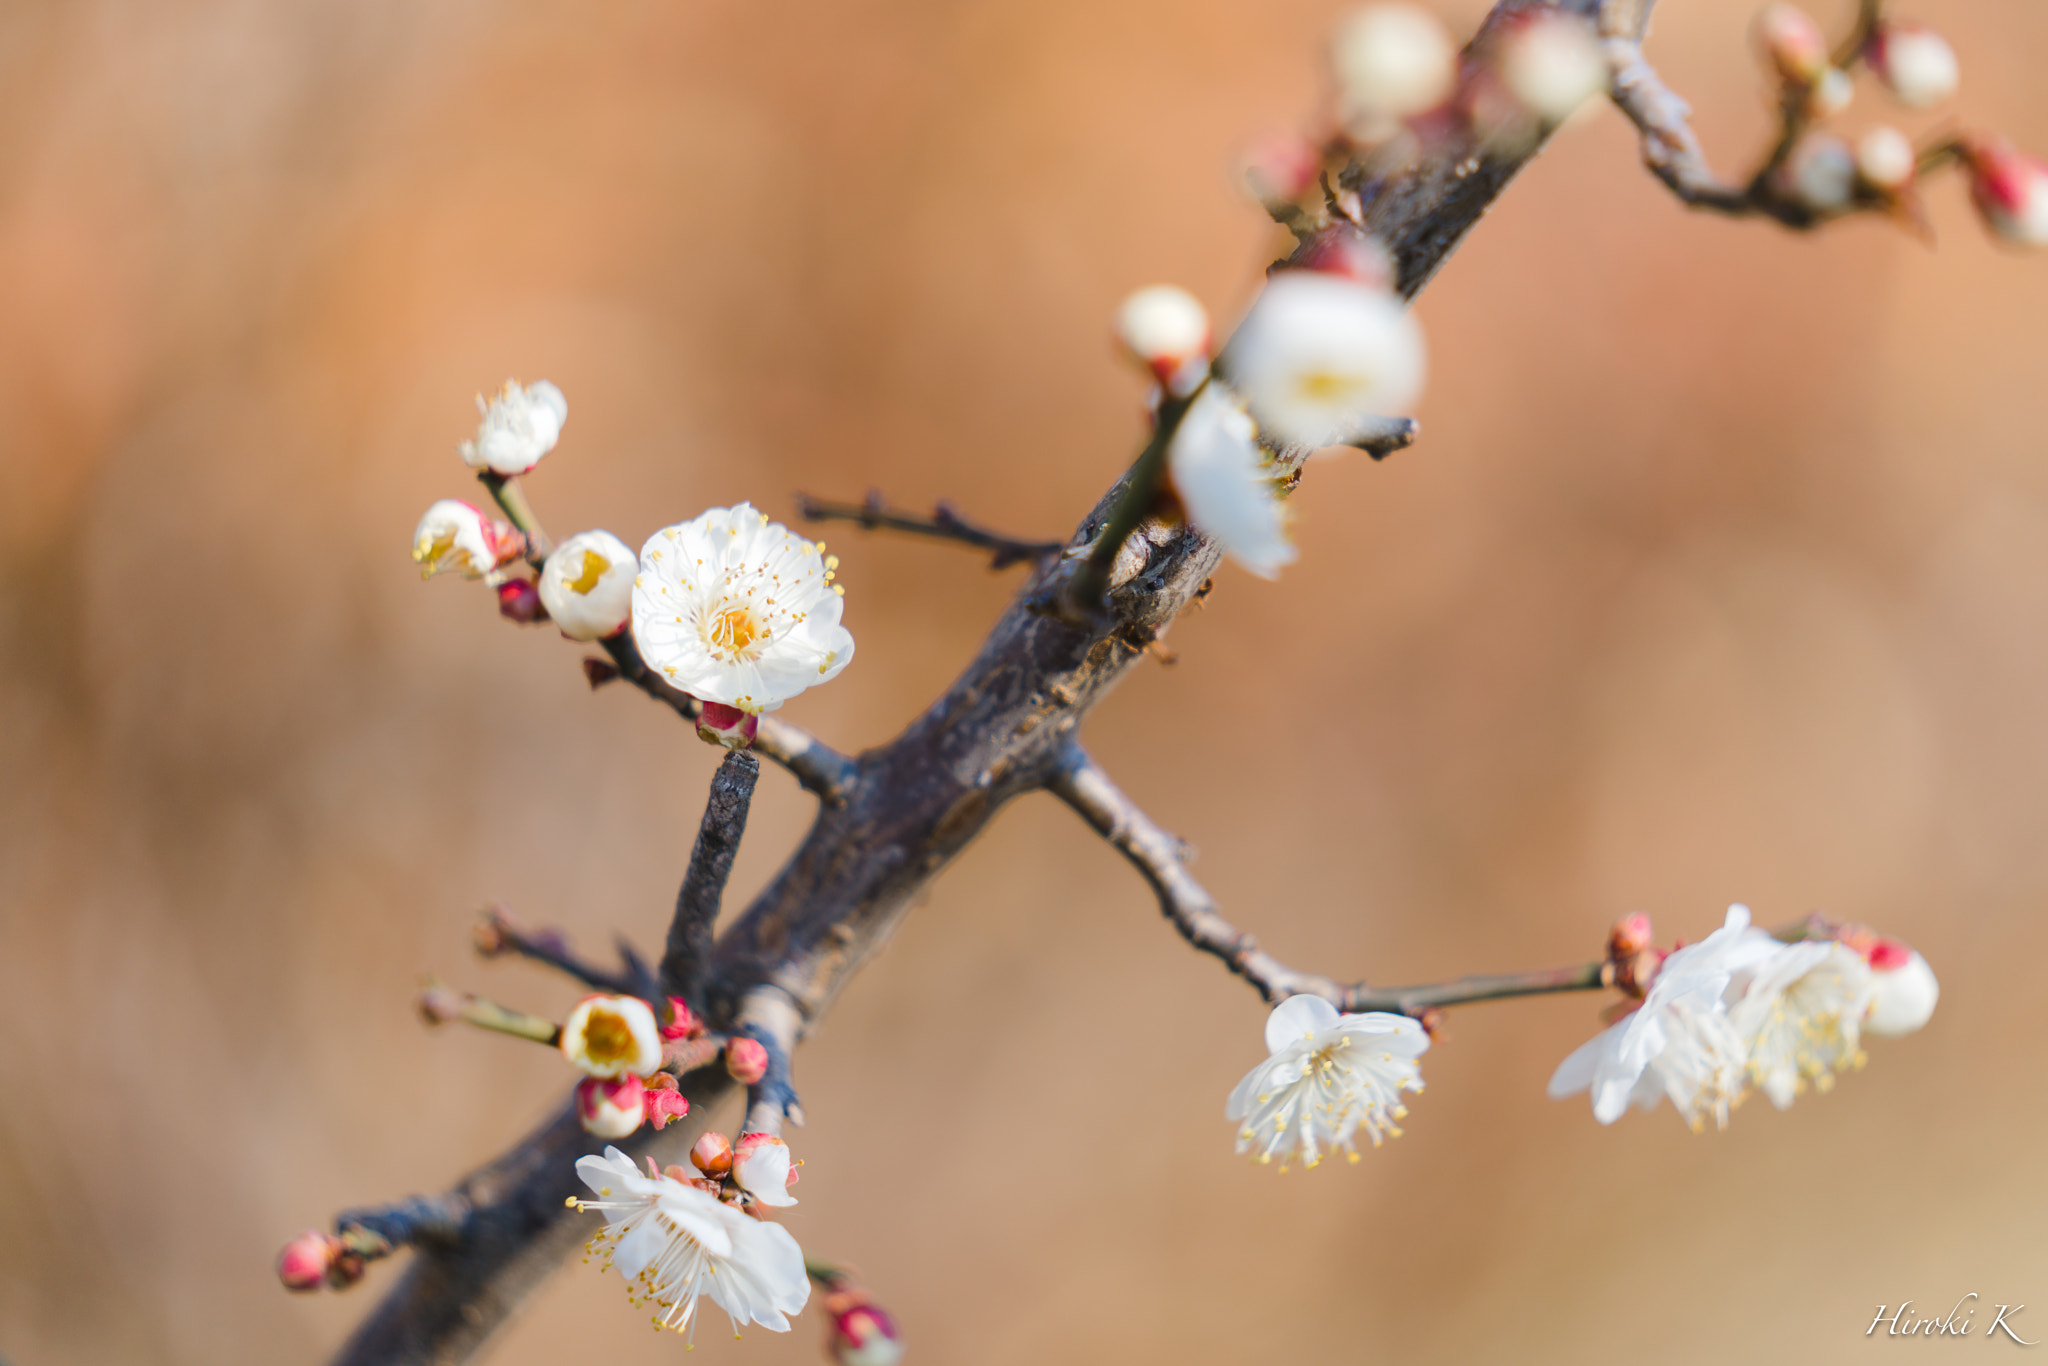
x: 1903, y: 989
x: 712, y: 1154
x: 2010, y: 190
x: 519, y: 426
x: 683, y: 1022
x: 519, y: 600
x: 303, y: 1263
x: 761, y: 1165
x: 746, y: 1060
x: 1630, y: 936
x: 454, y: 537
x: 1392, y: 61
x: 587, y: 585
x: 1343, y: 250
x: 1831, y: 94
x: 1280, y: 170
x: 1885, y: 159
x: 719, y: 724
x: 612, y: 1036
x: 438, y: 1005
x: 611, y: 1107
x: 1820, y: 174
x: 1552, y: 64
x: 861, y: 1333
x: 663, y: 1100
x: 1915, y: 63
x: 1792, y: 43
x: 1167, y: 330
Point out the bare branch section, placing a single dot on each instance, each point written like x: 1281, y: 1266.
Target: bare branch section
x: 1082, y: 784
x: 718, y: 841
x: 893, y: 819
x: 498, y: 934
x: 945, y: 523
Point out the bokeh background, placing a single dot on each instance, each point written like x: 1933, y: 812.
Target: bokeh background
x: 1721, y: 573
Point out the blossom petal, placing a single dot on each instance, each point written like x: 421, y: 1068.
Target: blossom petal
x: 1298, y: 1018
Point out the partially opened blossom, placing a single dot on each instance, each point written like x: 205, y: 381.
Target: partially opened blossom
x: 1680, y: 1042
x: 1319, y: 356
x: 455, y: 537
x: 611, y: 1036
x: 1327, y: 1076
x: 518, y: 427
x: 1799, y: 1013
x: 677, y: 1244
x: 735, y: 608
x: 1228, y: 484
x: 611, y: 1107
x: 587, y: 585
x: 2010, y: 190
x: 761, y: 1167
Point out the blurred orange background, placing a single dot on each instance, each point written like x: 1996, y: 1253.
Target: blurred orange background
x: 1720, y: 573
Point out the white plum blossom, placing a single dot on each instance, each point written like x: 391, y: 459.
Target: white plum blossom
x: 676, y: 1243
x: 1164, y: 326
x: 1227, y: 484
x: 1553, y: 64
x: 737, y: 609
x: 587, y: 585
x: 518, y: 427
x: 761, y: 1167
x: 1327, y: 1076
x: 454, y: 537
x: 612, y: 1036
x: 1320, y: 357
x: 1799, y: 1014
x: 1391, y: 61
x: 1915, y: 63
x: 1885, y: 159
x: 1680, y: 1042
x: 1903, y: 990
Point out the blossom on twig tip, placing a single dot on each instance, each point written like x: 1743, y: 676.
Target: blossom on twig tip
x: 611, y: 1036
x: 734, y: 608
x: 587, y: 585
x: 518, y: 426
x: 1392, y: 61
x: 2009, y: 189
x: 861, y: 1333
x: 455, y: 537
x: 746, y: 1059
x: 1166, y: 330
x: 1327, y: 1075
x: 304, y: 1262
x: 1551, y: 63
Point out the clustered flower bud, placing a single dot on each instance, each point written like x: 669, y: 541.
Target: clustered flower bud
x: 683, y: 1022
x: 1915, y: 63
x: 745, y: 1059
x: 718, y: 724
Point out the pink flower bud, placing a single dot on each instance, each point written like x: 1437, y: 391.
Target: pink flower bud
x: 1630, y: 936
x: 304, y: 1261
x: 1885, y: 159
x: 1792, y: 43
x: 611, y: 1108
x: 1904, y: 989
x: 862, y: 1333
x: 719, y: 724
x: 663, y: 1100
x: 612, y: 1036
x: 761, y: 1165
x: 519, y: 600
x: 1915, y: 63
x: 746, y: 1060
x: 712, y: 1154
x: 1281, y: 169
x: 2010, y: 190
x: 682, y: 1021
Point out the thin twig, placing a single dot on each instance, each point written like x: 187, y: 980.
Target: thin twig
x: 439, y: 1005
x: 511, y: 499
x: 498, y: 934
x: 416, y: 1221
x: 718, y: 842
x: 873, y: 513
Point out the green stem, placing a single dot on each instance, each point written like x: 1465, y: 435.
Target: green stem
x: 511, y: 499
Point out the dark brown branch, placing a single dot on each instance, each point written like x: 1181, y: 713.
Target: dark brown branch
x: 498, y: 934
x: 718, y: 841
x: 820, y: 768
x: 1387, y: 436
x: 873, y: 513
x: 893, y: 819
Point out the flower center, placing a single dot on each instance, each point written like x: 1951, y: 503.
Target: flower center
x: 594, y: 566
x: 607, y: 1039
x: 734, y: 633
x: 1332, y: 387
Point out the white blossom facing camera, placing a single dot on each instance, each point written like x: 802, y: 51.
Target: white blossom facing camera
x: 1327, y: 1076
x: 1799, y: 1014
x: 676, y: 1243
x: 454, y: 537
x: 612, y: 1036
x: 1679, y: 1043
x: 518, y: 427
x: 1903, y: 990
x: 1319, y: 357
x: 1915, y: 63
x: 1391, y: 61
x: 587, y: 585
x: 1227, y: 485
x: 735, y: 608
